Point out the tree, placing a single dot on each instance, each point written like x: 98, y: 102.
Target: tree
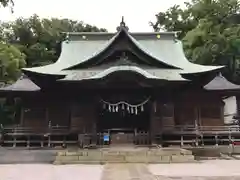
x: 5, y: 3
x: 40, y: 39
x: 174, y: 19
x: 210, y: 30
x: 11, y: 62
x: 187, y: 18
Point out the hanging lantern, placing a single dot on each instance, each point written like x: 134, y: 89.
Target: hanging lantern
x: 142, y: 108
x: 117, y: 109
x: 113, y: 109
x: 136, y: 110
x: 109, y: 108
x: 128, y: 108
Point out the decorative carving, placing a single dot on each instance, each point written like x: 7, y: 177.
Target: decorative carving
x: 123, y: 60
x: 122, y: 25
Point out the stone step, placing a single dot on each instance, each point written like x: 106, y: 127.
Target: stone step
x: 173, y: 155
x: 160, y: 152
x: 128, y: 159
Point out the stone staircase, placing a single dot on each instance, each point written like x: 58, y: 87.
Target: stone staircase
x: 124, y: 155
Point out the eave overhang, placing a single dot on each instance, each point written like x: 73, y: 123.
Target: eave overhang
x: 220, y: 83
x: 23, y: 84
x: 162, y: 74
x: 166, y: 51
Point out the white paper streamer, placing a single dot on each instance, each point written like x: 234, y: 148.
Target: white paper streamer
x: 131, y: 108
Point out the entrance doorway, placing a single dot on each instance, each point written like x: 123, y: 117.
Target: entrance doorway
x: 123, y: 120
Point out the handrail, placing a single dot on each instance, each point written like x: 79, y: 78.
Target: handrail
x: 203, y: 128
x: 180, y: 128
x: 52, y: 129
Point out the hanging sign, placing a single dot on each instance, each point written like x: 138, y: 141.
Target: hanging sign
x: 106, y: 138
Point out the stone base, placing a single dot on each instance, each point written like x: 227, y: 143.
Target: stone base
x: 141, y: 155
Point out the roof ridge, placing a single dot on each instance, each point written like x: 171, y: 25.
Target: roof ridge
x: 134, y: 41
x: 113, y: 33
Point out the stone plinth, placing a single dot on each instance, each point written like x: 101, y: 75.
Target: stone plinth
x: 144, y: 155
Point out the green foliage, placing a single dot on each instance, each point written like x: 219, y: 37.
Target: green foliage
x: 210, y: 30
x: 40, y: 39
x: 11, y: 61
x: 5, y: 3
x: 31, y: 42
x: 174, y: 19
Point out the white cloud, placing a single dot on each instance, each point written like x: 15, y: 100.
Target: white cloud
x: 105, y: 13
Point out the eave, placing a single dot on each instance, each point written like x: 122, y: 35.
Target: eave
x: 23, y: 84
x: 157, y: 74
x: 166, y: 50
x: 220, y: 83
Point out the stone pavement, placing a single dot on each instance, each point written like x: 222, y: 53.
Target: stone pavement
x: 126, y: 172
x: 50, y: 172
x: 206, y: 170
x: 23, y: 156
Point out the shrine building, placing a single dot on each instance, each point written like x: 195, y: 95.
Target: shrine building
x: 137, y: 87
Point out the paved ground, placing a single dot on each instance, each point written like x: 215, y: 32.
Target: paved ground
x: 207, y: 170
x: 18, y: 155
x: 127, y: 172
x: 50, y: 172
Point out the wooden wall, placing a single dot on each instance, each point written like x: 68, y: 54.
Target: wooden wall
x: 77, y: 116
x: 83, y: 117
x: 33, y: 113
x: 188, y: 111
x: 162, y: 117
x: 185, y: 110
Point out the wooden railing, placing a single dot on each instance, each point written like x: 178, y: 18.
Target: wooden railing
x: 200, y: 135
x: 142, y: 138
x: 65, y: 136
x: 72, y: 129
x: 201, y: 129
x: 44, y: 130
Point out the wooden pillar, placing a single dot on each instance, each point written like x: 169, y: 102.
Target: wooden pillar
x: 93, y: 120
x: 22, y: 116
x: 153, y: 117
x: 47, y: 115
x: 222, y: 113
x: 197, y: 124
x: 196, y: 120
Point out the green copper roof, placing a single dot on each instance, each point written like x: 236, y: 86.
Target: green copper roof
x: 221, y: 83
x: 83, y: 46
x: 162, y: 74
x: 23, y: 84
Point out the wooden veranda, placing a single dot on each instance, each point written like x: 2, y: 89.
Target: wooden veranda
x: 64, y: 137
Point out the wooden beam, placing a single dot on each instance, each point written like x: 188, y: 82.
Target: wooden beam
x: 47, y: 115
x: 22, y: 116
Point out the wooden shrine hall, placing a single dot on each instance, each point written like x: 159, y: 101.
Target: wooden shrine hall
x: 119, y: 88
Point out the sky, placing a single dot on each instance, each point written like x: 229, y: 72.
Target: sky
x: 102, y: 13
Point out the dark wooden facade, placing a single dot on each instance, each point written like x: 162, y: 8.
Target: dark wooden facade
x: 65, y: 102
x: 68, y: 116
